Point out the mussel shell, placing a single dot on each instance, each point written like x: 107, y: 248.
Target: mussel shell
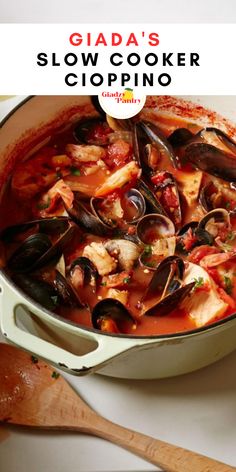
x: 170, y: 269
x: 56, y: 249
x: 114, y: 309
x: 220, y: 215
x: 152, y: 203
x: 66, y: 292
x: 206, y: 133
x: 211, y: 160
x: 202, y: 236
x: 28, y: 253
x: 180, y: 137
x: 83, y: 132
x: 159, y: 226
x: 168, y: 181
x: 154, y: 135
x: 86, y: 220
x: 88, y: 268
x: 170, y: 302
x: 43, y: 225
x: 40, y: 291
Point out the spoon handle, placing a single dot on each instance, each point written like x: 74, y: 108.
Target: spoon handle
x: 167, y: 456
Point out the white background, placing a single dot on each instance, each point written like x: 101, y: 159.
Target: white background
x: 118, y: 11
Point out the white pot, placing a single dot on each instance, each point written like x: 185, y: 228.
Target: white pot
x: 71, y: 347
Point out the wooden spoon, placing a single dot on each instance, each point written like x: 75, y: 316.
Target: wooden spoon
x: 33, y: 394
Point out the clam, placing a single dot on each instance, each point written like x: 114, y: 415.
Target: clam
x: 127, y: 209
x: 111, y: 315
x: 215, y: 221
x: 125, y: 251
x: 153, y: 227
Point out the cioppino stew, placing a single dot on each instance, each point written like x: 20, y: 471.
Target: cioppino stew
x: 126, y: 228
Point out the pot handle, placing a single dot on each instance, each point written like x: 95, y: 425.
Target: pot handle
x: 106, y: 348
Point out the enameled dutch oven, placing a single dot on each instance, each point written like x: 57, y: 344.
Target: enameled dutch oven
x: 74, y: 348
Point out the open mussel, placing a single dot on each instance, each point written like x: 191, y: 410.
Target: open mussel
x: 218, y: 138
x: 94, y: 131
x: 112, y: 316
x: 66, y: 292
x: 191, y: 235
x: 83, y: 272
x: 149, y: 134
x: 170, y: 302
x: 39, y: 290
x: 211, y: 160
x: 49, y: 225
x: 167, y: 193
x: 38, y: 250
x: 152, y: 203
x: 86, y: 220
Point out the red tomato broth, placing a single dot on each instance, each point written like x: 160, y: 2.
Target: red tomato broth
x: 174, y: 322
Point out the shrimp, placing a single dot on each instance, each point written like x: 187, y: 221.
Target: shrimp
x: 38, y: 173
x: 59, y: 191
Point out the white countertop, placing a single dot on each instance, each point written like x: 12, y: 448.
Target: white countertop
x: 195, y: 411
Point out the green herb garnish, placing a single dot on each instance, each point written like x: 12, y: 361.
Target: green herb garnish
x: 199, y: 282
x: 55, y: 375
x: 231, y: 236
x: 147, y: 250
x: 228, y: 284
x: 75, y: 171
x: 227, y: 205
x: 103, y: 284
x: 126, y: 280
x: 34, y: 359
x: 54, y: 299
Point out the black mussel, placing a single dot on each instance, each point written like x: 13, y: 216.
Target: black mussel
x: 152, y: 203
x: 94, y: 131
x: 216, y: 222
x: 218, y: 138
x: 28, y: 253
x: 207, y: 197
x: 153, y: 227
x: 42, y: 225
x: 125, y: 251
x: 56, y: 249
x: 86, y: 220
x: 66, y: 292
x: 218, y: 194
x: 211, y: 160
x: 112, y: 316
x: 151, y: 134
x: 167, y: 275
x: 180, y: 137
x: 83, y: 272
x: 40, y: 291
x: 167, y: 193
x: 190, y: 236
x: 170, y: 302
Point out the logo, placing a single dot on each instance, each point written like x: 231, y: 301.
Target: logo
x: 123, y: 103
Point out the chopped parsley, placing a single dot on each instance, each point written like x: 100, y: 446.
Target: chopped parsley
x: 103, y: 284
x: 54, y: 299
x: 74, y: 171
x: 227, y: 205
x: 147, y: 250
x: 231, y: 236
x: 34, y: 359
x: 199, y: 282
x: 228, y: 284
x: 55, y: 375
x: 126, y: 280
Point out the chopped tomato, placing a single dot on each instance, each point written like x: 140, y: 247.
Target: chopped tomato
x: 188, y: 240
x: 214, y: 274
x: 170, y: 197
x: 201, y: 251
x: 99, y: 132
x: 118, y: 153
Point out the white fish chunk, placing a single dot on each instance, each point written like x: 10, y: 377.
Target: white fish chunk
x: 100, y: 257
